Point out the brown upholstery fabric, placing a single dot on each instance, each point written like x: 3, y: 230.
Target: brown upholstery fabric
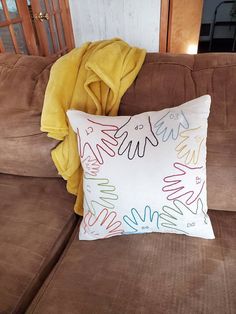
x: 146, y: 274
x: 154, y: 273
x: 165, y: 80
x: 168, y: 80
x: 24, y: 149
x: 36, y: 220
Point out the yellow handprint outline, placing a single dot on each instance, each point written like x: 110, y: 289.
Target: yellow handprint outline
x: 190, y: 147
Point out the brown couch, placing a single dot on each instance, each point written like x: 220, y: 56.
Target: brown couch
x: 44, y: 268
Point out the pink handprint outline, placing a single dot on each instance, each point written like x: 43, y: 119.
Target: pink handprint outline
x: 104, y: 225
x: 91, y: 166
x: 101, y: 139
x: 177, y: 183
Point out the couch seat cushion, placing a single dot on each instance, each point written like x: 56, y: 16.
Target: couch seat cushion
x: 148, y: 274
x: 36, y: 220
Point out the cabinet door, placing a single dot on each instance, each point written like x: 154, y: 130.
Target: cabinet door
x: 16, y: 28
x: 53, y: 26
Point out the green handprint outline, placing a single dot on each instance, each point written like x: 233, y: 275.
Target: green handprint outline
x: 178, y: 208
x: 102, y: 193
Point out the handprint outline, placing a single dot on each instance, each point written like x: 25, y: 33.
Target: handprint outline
x: 97, y: 141
x: 164, y: 126
x: 90, y: 166
x: 139, y: 224
x: 98, y: 191
x: 177, y: 183
x: 136, y: 135
x: 104, y: 225
x: 179, y: 217
x: 190, y: 146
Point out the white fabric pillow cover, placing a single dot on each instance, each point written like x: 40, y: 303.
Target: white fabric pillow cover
x: 144, y: 173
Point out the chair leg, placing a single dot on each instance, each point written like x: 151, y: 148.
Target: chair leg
x: 234, y: 42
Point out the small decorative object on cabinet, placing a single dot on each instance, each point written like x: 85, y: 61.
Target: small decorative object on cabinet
x: 37, y: 27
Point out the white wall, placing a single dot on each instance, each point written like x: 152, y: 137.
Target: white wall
x: 135, y: 21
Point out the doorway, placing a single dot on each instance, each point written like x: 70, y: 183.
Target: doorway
x: 36, y: 27
x: 218, y: 27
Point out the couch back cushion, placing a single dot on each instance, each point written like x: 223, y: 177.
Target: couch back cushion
x: 25, y: 150
x: 167, y: 80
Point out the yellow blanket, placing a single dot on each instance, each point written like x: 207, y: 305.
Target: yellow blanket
x: 92, y: 78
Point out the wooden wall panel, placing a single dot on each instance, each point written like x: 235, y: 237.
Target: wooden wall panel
x: 184, y: 25
x: 164, y: 25
x: 135, y: 21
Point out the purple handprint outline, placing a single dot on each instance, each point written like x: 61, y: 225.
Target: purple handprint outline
x: 184, y: 183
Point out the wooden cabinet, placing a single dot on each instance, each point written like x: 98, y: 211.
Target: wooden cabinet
x: 37, y: 27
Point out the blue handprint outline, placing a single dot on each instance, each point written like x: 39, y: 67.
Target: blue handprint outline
x: 139, y: 224
x: 173, y: 131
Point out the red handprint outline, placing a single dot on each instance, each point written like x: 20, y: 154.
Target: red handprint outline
x: 95, y: 136
x: 187, y: 182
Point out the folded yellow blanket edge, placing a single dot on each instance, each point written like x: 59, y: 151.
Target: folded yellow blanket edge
x: 82, y: 90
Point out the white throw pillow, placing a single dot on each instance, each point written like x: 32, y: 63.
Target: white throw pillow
x: 144, y: 173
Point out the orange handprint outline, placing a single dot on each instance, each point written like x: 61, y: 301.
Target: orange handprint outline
x: 103, y: 225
